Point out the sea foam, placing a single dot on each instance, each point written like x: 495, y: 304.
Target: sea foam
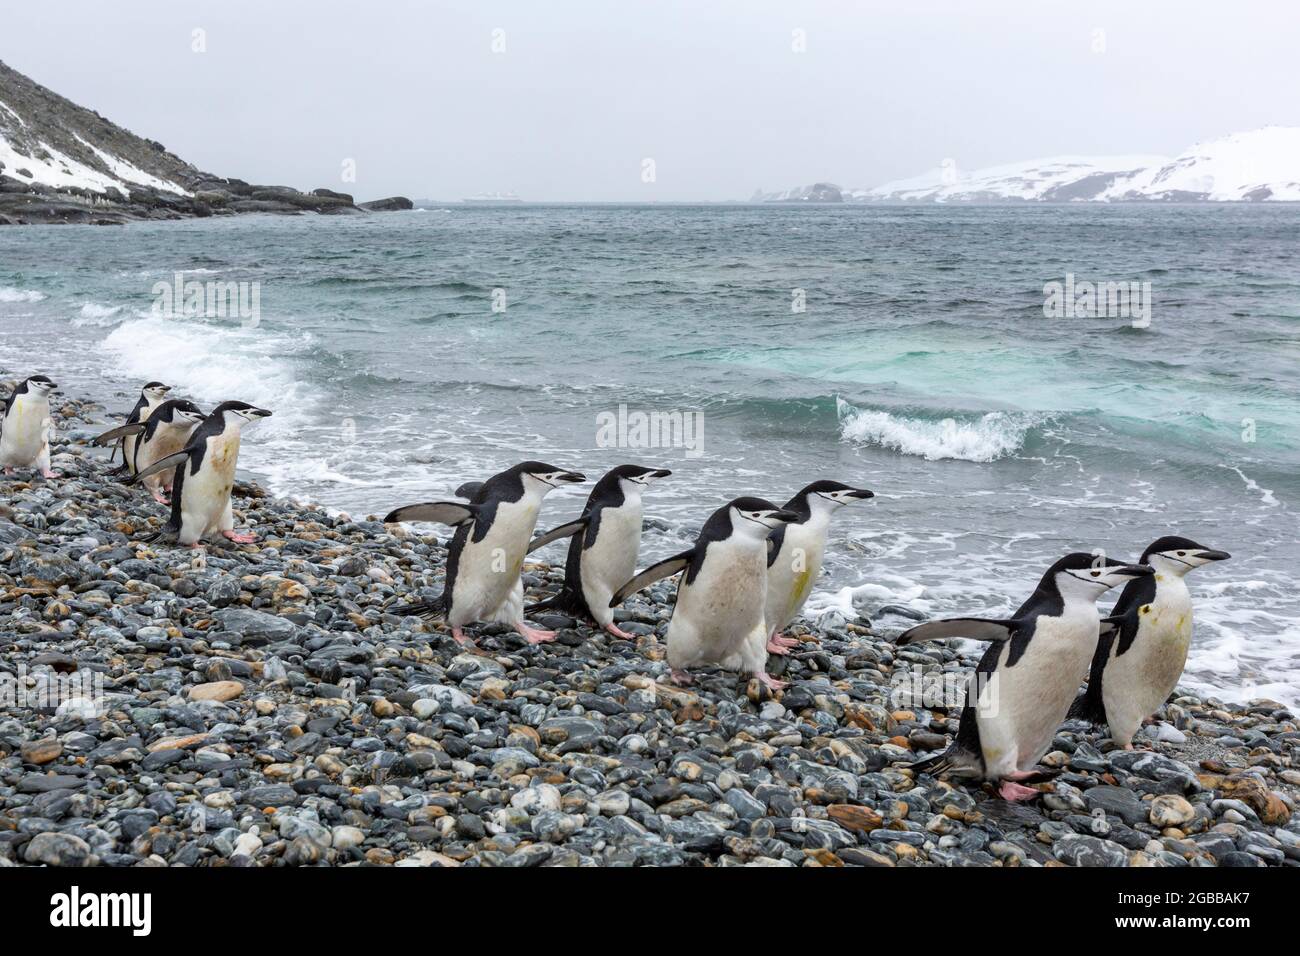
x: 993, y: 435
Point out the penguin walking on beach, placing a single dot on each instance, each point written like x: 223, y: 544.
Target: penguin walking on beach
x: 166, y: 432
x: 484, y: 558
x: 1143, y: 645
x: 1026, y: 680
x: 25, y: 427
x: 603, y: 546
x: 794, y: 554
x: 203, y: 473
x: 151, y: 396
x: 719, y: 614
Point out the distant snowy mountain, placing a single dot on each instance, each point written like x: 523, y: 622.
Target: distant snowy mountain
x: 1260, y: 165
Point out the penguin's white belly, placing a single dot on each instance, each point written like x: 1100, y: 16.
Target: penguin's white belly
x: 167, y: 440
x: 1137, y: 682
x: 1021, y: 709
x: 23, y: 437
x: 488, y: 570
x: 790, y: 578
x: 610, y: 562
x: 721, y: 608
x: 205, y: 496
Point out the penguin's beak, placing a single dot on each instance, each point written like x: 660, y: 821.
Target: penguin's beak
x: 259, y: 412
x: 660, y: 473
x: 1208, y: 555
x: 1133, y: 570
x: 861, y: 493
x: 783, y: 516
x: 573, y: 476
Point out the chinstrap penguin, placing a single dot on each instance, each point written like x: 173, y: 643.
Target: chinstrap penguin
x: 795, y: 552
x: 166, y: 432
x: 487, y: 551
x: 1143, y: 645
x: 1026, y: 680
x: 603, y: 546
x: 203, y: 475
x: 26, y: 425
x: 151, y: 396
x: 718, y: 616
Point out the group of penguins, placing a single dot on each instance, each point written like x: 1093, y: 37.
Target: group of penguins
x: 746, y: 578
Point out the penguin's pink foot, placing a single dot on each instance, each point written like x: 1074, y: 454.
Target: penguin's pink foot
x: 160, y: 498
x: 532, y: 635
x: 774, y: 648
x: 768, y: 681
x: 1014, y: 792
x: 1129, y: 745
x: 783, y: 639
x: 9, y: 469
x: 239, y: 538
x: 461, y: 638
x: 681, y: 677
x: 196, y: 546
x: 46, y: 473
x: 619, y: 632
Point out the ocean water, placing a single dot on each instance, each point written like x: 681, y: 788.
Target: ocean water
x: 922, y: 366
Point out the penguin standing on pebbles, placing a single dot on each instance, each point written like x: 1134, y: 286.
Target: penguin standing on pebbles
x: 487, y: 551
x: 166, y: 432
x: 718, y: 617
x: 203, y: 475
x: 151, y: 396
x: 603, y: 546
x: 1027, y: 679
x: 25, y: 427
x: 794, y: 554
x: 1144, y: 641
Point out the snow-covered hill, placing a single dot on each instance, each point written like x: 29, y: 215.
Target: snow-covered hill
x: 60, y: 162
x: 1259, y: 165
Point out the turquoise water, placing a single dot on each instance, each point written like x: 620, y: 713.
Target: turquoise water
x: 922, y: 367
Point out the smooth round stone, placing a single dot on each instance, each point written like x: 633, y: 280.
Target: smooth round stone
x: 221, y: 690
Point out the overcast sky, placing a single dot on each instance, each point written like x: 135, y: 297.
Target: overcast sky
x: 714, y: 92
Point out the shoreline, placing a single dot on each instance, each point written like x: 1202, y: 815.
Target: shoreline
x: 261, y: 708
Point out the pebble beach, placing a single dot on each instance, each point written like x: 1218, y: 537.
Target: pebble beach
x: 258, y: 706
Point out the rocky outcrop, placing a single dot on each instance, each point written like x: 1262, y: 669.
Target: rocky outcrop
x: 392, y: 204
x: 62, y: 163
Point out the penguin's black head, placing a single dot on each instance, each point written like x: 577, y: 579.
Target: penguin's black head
x: 178, y: 411
x: 40, y: 385
x: 155, y: 390
x: 1088, y: 576
x: 823, y: 497
x: 239, y: 414
x: 637, y: 474
x: 757, y: 517
x: 541, y: 475
x: 1175, y: 555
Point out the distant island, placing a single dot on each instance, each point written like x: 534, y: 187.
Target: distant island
x: 1262, y: 165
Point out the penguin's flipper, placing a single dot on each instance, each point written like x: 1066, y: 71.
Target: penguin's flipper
x: 469, y: 489
x: 1110, y: 624
x: 159, y: 466
x: 656, y: 572
x: 974, y: 628
x: 555, y: 534
x: 121, y: 431
x: 444, y: 512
